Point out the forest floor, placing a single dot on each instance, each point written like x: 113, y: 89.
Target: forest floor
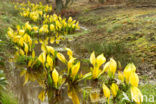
x: 126, y: 33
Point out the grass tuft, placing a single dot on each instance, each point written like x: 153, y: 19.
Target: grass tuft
x: 117, y: 50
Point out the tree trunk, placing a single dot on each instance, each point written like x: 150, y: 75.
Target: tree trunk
x: 59, y: 5
x: 67, y: 2
x: 47, y: 1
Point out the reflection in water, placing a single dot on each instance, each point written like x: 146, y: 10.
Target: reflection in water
x: 72, y: 94
x: 28, y: 94
x: 95, y: 96
x: 60, y: 96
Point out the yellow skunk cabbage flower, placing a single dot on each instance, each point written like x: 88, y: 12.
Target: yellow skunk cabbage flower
x: 36, y: 41
x: 44, y: 29
x: 57, y: 40
x: 58, y: 25
x: 21, y: 52
x: 33, y: 54
x: 16, y: 39
x: 30, y: 42
x: 55, y: 76
x: 73, y: 22
x: 40, y: 12
x: 134, y: 79
x: 21, y: 41
x: 35, y: 28
x: 52, y: 40
x: 30, y: 63
x: 69, y: 52
x: 41, y: 41
x: 92, y: 58
x: 50, y: 50
x: 49, y: 61
x: 136, y: 95
x: 43, y: 47
x: 60, y: 18
x: 110, y: 67
x: 73, y: 26
x: 28, y: 26
x: 120, y: 76
x: 77, y: 25
x: 27, y: 39
x: 96, y: 62
x: 26, y: 48
x: 114, y: 89
x: 100, y: 60
x: 52, y: 27
x: 21, y: 32
x: 46, y: 40
x: 113, y: 66
x: 70, y: 63
x: 55, y: 16
x: 10, y: 29
x: 75, y: 70
x: 64, y: 22
x: 61, y: 57
x: 70, y: 20
x: 34, y: 16
x: 95, y: 72
x: 42, y: 57
x: 106, y: 92
x: 128, y: 70
x: 10, y: 32
x: 106, y: 67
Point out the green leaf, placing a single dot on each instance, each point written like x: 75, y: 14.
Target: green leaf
x: 86, y: 76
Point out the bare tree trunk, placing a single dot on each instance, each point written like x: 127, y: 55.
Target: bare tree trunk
x: 91, y: 0
x: 59, y: 5
x: 47, y: 1
x: 67, y: 2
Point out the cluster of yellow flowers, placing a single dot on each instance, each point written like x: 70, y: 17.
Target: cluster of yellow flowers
x: 54, y: 25
x: 132, y: 78
x: 51, y: 25
x: 57, y: 27
x: 33, y: 11
x: 47, y: 59
x: 21, y: 37
x: 128, y: 77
